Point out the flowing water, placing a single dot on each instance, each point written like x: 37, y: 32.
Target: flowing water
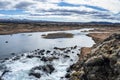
x: 25, y: 42
x: 20, y: 67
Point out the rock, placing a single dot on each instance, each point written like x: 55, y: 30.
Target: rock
x: 29, y: 56
x: 67, y: 75
x: 97, y: 61
x: 6, y: 41
x: 13, y: 54
x: 102, y: 64
x: 52, y: 58
x: 56, y: 48
x: 22, y: 54
x: 67, y: 51
x: 45, y: 59
x: 66, y: 56
x: 37, y: 75
x: 35, y: 71
x: 6, y: 59
x: 48, y: 51
x: 4, y: 72
x: 42, y: 51
x: 75, y: 47
x: 16, y: 58
x: 48, y: 68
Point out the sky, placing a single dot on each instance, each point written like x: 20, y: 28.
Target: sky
x: 61, y: 10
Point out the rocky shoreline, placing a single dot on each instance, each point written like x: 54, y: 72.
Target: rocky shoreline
x: 103, y: 62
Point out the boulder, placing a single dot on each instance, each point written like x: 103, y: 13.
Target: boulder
x: 48, y: 68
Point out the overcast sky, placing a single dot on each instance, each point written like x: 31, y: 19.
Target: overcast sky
x: 61, y: 10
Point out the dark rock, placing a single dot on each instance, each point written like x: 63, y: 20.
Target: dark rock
x: 97, y: 61
x: 16, y: 58
x: 34, y: 73
x: 37, y: 75
x: 42, y: 51
x: 35, y: 50
x: 66, y: 56
x: 4, y: 72
x: 22, y: 54
x: 67, y: 75
x: 48, y: 51
x: 38, y: 56
x: 29, y: 56
x: 67, y: 51
x: 59, y: 48
x: 48, y: 68
x: 75, y: 47
x: 55, y: 48
x: 52, y: 58
x: 6, y: 58
x: 13, y: 54
x: 6, y: 41
x: 45, y: 59
x: 71, y: 59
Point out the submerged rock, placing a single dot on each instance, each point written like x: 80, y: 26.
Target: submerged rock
x: 35, y: 74
x: 36, y: 71
x: 6, y: 41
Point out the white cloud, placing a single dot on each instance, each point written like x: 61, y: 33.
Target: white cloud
x: 49, y: 9
x: 111, y: 5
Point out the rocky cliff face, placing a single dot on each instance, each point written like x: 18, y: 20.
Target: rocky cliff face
x: 102, y: 64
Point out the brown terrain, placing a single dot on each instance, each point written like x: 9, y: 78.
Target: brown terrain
x: 12, y: 28
x: 98, y: 35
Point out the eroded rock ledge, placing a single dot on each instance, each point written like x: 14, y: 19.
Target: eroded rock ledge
x: 102, y: 64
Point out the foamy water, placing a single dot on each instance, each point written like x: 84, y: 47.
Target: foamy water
x: 19, y: 69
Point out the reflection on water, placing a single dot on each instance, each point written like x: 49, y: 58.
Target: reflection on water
x: 25, y: 42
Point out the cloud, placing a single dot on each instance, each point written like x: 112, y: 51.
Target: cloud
x: 3, y: 4
x: 111, y: 5
x: 23, y: 5
x: 62, y: 10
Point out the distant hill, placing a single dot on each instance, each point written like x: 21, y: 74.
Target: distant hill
x: 41, y: 21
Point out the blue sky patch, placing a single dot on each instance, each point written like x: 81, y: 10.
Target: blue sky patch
x: 67, y: 4
x: 12, y: 12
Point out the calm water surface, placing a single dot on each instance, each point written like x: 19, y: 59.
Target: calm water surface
x: 25, y: 42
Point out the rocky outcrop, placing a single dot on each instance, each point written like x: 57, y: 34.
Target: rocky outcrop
x: 102, y: 64
x: 36, y: 70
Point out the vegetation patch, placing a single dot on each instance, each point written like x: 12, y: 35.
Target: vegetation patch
x: 58, y: 35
